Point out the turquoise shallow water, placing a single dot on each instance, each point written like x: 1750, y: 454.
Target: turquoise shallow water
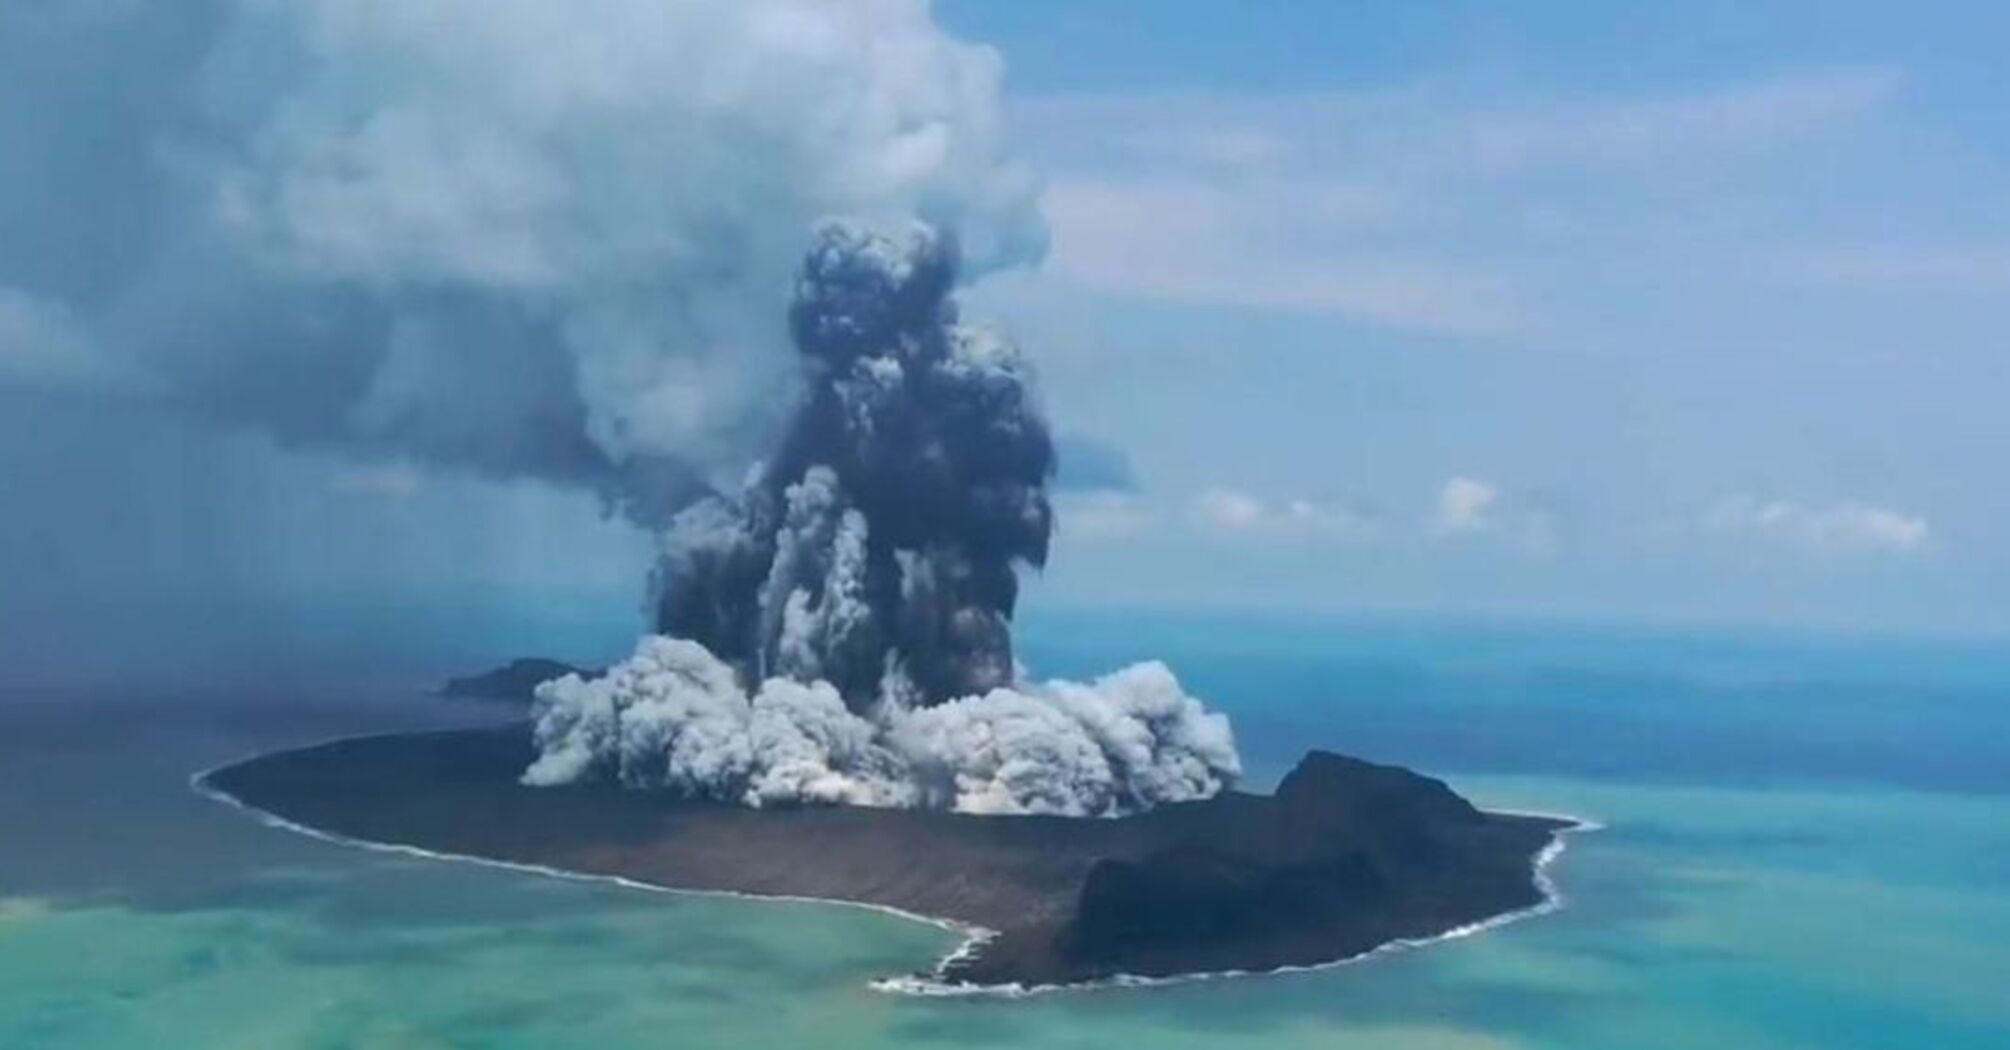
x: 1797, y: 905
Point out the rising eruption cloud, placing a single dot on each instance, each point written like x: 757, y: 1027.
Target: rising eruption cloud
x: 531, y: 240
x: 840, y: 630
x: 523, y: 239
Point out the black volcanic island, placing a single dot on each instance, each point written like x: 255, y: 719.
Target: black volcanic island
x: 1345, y: 857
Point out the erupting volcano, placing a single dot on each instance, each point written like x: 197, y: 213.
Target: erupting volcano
x: 829, y: 707
x: 840, y: 630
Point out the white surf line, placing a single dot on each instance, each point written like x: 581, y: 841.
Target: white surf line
x: 974, y: 936
x: 1552, y: 899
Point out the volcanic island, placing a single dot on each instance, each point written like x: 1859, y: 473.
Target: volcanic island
x: 828, y: 705
x: 1345, y: 857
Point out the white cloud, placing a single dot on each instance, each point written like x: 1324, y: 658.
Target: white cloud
x: 1845, y: 527
x: 1448, y: 206
x: 1442, y: 119
x: 1466, y: 505
x: 1905, y: 268
x: 1232, y: 245
x: 1229, y: 509
x: 1228, y: 147
x: 1678, y: 127
x: 1232, y: 512
x: 1101, y: 514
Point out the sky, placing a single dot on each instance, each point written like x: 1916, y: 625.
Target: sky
x: 1595, y: 311
x: 1625, y: 313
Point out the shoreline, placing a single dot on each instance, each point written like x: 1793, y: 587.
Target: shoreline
x: 972, y: 937
x: 1553, y: 901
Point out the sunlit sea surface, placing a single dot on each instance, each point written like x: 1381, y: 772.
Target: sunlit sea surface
x: 1807, y: 845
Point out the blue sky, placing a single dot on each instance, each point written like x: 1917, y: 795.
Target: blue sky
x: 1611, y: 311
x: 1628, y: 312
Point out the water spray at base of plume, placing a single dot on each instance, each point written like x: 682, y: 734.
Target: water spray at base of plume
x: 840, y: 630
x: 675, y: 717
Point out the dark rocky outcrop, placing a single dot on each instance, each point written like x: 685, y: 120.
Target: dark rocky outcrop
x: 1346, y: 856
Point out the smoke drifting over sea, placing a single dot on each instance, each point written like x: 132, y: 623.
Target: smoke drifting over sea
x: 553, y: 241
x: 512, y: 237
x: 840, y: 630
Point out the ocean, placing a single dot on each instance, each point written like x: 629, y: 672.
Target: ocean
x: 1805, y: 844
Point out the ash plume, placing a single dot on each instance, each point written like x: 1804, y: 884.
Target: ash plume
x: 840, y: 630
x: 876, y: 549
x: 515, y: 238
x: 548, y: 241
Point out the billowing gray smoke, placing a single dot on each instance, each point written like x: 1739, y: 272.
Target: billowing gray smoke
x: 533, y: 239
x: 674, y: 717
x: 876, y: 550
x: 514, y: 237
x: 840, y: 630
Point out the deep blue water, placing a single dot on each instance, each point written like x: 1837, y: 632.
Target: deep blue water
x: 1807, y: 845
x: 1629, y: 704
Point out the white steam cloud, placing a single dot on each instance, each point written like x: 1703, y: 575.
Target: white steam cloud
x: 516, y: 237
x: 674, y: 716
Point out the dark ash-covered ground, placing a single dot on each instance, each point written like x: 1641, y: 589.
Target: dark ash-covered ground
x: 1345, y: 857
